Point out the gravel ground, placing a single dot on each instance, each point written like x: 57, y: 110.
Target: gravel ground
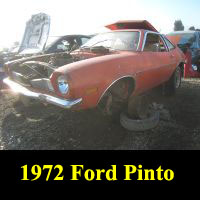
x: 39, y: 127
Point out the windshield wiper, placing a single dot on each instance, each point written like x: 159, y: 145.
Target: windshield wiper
x: 89, y: 47
x: 100, y: 42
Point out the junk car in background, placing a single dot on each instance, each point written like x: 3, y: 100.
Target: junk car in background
x: 129, y: 60
x: 36, y: 39
x: 189, y: 43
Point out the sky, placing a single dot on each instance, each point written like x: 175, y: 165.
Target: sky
x: 90, y: 16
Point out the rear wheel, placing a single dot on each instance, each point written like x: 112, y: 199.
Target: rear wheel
x: 174, y: 83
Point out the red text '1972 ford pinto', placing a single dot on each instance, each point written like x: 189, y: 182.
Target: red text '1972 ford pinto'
x: 129, y: 60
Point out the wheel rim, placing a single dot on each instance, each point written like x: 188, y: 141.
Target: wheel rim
x: 177, y: 78
x: 115, y: 100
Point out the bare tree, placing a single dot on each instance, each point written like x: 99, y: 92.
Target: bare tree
x: 192, y: 28
x: 178, y: 25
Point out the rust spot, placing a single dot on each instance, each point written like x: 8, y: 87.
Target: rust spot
x: 91, y: 91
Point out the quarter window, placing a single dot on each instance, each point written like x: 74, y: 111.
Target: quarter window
x: 169, y: 44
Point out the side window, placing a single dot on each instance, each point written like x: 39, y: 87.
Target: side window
x: 84, y: 40
x: 169, y: 44
x: 154, y: 43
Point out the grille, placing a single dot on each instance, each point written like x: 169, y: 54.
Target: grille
x: 43, y: 83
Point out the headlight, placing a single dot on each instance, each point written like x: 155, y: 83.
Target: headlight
x: 63, y: 86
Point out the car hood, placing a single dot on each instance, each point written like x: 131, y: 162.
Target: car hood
x: 89, y: 61
x: 36, y: 34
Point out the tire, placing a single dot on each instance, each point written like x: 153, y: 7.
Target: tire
x: 140, y: 125
x: 174, y: 83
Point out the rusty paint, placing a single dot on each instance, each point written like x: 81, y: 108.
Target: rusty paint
x: 91, y: 91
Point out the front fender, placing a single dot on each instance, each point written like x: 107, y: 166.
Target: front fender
x: 91, y: 78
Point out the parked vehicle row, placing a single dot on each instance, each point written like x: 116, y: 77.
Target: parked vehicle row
x: 36, y: 40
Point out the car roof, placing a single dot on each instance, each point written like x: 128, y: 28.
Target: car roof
x: 182, y: 32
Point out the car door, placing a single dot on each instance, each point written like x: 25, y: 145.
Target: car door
x: 157, y: 62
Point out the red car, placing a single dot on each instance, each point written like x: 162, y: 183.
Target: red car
x: 127, y: 61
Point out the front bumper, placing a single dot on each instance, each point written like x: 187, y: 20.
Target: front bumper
x: 63, y: 103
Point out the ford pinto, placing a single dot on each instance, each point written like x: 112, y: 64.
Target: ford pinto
x: 129, y: 60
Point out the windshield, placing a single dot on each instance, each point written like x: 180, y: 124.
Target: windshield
x: 51, y: 40
x: 115, y: 40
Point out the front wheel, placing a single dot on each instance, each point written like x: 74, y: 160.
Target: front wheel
x: 174, y: 83
x: 115, y: 100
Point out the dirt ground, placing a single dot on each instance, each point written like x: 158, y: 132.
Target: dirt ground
x: 40, y: 127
